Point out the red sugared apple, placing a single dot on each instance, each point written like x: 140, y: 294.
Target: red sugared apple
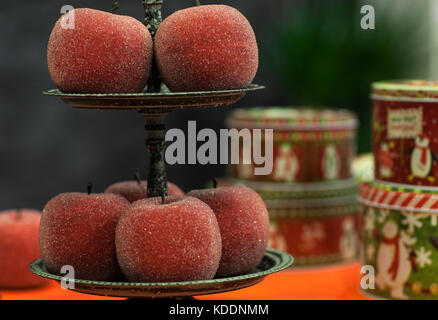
x: 211, y: 47
x: 134, y: 190
x: 244, y: 224
x: 18, y: 248
x: 92, y: 51
x: 78, y: 230
x: 175, y: 241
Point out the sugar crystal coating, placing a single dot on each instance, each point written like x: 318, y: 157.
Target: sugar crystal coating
x: 177, y: 241
x: 18, y: 248
x: 244, y: 224
x: 211, y: 47
x: 134, y: 191
x: 79, y: 230
x: 102, y: 53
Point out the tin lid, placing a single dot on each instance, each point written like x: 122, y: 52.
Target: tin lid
x: 410, y: 90
x: 304, y: 195
x: 293, y: 119
x: 312, y: 212
x: 391, y: 197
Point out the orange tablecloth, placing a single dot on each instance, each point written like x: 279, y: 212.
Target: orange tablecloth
x: 331, y: 283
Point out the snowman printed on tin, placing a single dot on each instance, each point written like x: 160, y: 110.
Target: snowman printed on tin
x: 287, y: 165
x: 276, y: 238
x: 331, y: 163
x: 313, y: 234
x: 394, y: 265
x: 422, y: 159
x: 349, y: 240
x: 386, y: 161
x: 245, y: 168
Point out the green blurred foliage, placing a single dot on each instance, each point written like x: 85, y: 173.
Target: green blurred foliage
x: 324, y: 58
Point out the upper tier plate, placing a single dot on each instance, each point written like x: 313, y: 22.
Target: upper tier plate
x: 158, y: 102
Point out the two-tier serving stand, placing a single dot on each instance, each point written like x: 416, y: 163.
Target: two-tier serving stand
x: 154, y: 104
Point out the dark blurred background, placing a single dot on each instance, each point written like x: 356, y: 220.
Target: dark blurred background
x: 311, y: 53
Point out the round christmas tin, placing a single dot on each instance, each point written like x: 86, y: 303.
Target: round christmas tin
x: 399, y: 241
x: 309, y: 145
x: 316, y: 222
x: 405, y: 139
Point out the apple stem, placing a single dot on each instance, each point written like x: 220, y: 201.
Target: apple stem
x: 115, y: 7
x: 19, y: 214
x: 215, y: 183
x: 89, y: 187
x: 137, y: 178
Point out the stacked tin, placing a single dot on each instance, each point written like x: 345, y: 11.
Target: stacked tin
x: 399, y: 209
x: 310, y: 193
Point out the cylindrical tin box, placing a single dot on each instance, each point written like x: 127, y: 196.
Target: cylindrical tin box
x: 399, y: 241
x: 310, y: 194
x: 309, y: 145
x: 315, y: 222
x: 405, y: 135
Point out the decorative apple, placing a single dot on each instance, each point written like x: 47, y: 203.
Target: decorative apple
x: 171, y: 241
x: 78, y: 230
x: 18, y: 248
x: 92, y: 51
x: 244, y: 225
x: 137, y: 190
x: 211, y: 47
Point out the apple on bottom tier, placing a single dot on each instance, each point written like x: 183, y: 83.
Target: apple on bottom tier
x: 206, y: 234
x: 78, y: 230
x: 244, y: 225
x: 18, y: 248
x: 137, y: 190
x: 178, y: 240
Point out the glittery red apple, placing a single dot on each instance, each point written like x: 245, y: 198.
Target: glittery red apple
x: 78, y: 230
x: 18, y: 248
x: 244, y: 224
x: 171, y: 242
x: 211, y: 47
x: 137, y: 190
x: 93, y: 51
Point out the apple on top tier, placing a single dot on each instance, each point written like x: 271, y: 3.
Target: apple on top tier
x: 203, y: 48
x: 99, y: 53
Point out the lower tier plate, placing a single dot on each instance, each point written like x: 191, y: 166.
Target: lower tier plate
x: 274, y: 261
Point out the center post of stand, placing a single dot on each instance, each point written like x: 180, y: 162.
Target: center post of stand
x: 155, y: 123
x: 156, y: 146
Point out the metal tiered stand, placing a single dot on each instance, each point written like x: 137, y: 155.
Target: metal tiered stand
x: 154, y: 104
